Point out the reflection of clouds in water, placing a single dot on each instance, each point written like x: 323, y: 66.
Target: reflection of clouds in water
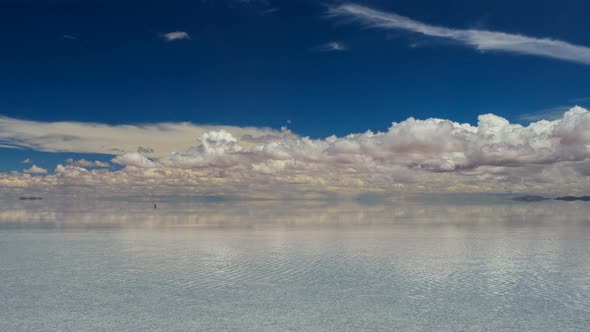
x: 256, y: 214
x: 309, y: 265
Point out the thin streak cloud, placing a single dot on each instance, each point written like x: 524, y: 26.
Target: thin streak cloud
x: 333, y: 46
x: 482, y: 40
x: 175, y: 35
x: 69, y: 37
x: 551, y: 114
x: 160, y: 138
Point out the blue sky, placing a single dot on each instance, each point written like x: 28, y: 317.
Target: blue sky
x: 280, y: 63
x: 243, y: 67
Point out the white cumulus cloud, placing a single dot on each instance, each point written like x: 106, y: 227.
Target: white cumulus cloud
x: 35, y: 170
x: 414, y: 155
x: 134, y: 159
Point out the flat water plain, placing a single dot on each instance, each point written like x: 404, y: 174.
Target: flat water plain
x: 295, y: 266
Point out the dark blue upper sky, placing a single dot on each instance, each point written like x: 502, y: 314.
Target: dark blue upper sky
x: 260, y: 63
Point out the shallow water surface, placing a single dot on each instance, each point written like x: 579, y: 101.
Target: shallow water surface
x: 295, y: 266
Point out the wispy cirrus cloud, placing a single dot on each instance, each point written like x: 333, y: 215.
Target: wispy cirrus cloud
x: 69, y: 37
x: 257, y: 7
x: 579, y: 100
x: 333, y: 46
x: 481, y: 40
x: 550, y: 114
x: 175, y: 35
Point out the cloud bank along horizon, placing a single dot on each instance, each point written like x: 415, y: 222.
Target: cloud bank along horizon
x: 413, y: 156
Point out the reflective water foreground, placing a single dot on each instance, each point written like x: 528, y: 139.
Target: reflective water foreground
x: 227, y: 265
